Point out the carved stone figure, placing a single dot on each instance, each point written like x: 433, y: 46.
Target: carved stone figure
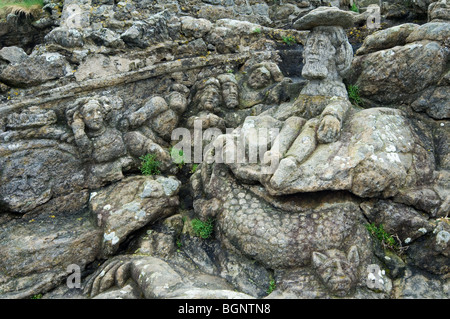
x: 95, y: 138
x: 264, y: 83
x: 230, y: 90
x: 208, y: 97
x: 337, y: 270
x: 316, y: 115
x: 101, y: 145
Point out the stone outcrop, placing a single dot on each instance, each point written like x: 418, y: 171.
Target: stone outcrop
x: 266, y: 176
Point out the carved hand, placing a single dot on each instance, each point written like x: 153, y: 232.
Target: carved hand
x: 329, y: 129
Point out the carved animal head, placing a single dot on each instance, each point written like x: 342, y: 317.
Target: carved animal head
x: 336, y: 270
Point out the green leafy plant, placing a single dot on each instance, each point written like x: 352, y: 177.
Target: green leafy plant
x: 149, y: 165
x: 257, y: 30
x: 194, y: 168
x: 27, y: 8
x: 38, y: 296
x: 272, y: 286
x: 354, y: 8
x: 203, y: 229
x: 289, y: 40
x: 177, y: 156
x: 353, y: 95
x: 387, y: 240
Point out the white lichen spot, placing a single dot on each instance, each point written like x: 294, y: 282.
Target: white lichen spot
x: 407, y: 240
x: 111, y: 237
x: 422, y: 230
x: 442, y: 238
x: 390, y: 148
x: 107, y: 207
x: 393, y: 157
x: 93, y: 194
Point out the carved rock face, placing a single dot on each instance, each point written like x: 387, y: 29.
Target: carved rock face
x: 259, y: 78
x: 92, y: 113
x: 210, y: 98
x: 319, y: 53
x: 230, y: 93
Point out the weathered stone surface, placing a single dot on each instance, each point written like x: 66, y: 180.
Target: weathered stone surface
x: 388, y: 38
x: 33, y: 172
x: 35, y: 70
x: 369, y: 159
x: 13, y: 55
x: 131, y: 204
x: 432, y: 252
x: 397, y: 219
x: 65, y: 37
x: 324, y: 16
x: 435, y: 101
x: 438, y: 11
x: 418, y: 286
x: 433, y: 31
x: 35, y: 252
x: 395, y: 75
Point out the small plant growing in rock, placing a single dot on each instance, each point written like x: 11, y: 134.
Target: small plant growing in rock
x: 194, y: 168
x: 353, y: 95
x: 257, y: 30
x: 203, y: 229
x: 387, y: 240
x: 177, y: 157
x: 38, y: 296
x: 354, y: 8
x: 272, y: 286
x: 289, y: 40
x: 149, y: 165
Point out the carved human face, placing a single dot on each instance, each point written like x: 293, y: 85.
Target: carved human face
x: 319, y: 55
x: 210, y: 98
x: 92, y: 113
x: 230, y: 94
x: 259, y: 78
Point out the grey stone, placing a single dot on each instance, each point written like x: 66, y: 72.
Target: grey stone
x: 65, y: 37
x: 404, y: 65
x: 131, y: 204
x: 433, y: 31
x: 387, y: 38
x: 435, y: 101
x: 438, y: 11
x: 44, y: 247
x: 13, y: 55
x: 324, y: 16
x: 35, y: 70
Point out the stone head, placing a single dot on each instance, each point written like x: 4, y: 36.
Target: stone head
x: 93, y: 115
x: 209, y: 96
x: 259, y: 78
x: 230, y: 90
x: 327, y: 54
